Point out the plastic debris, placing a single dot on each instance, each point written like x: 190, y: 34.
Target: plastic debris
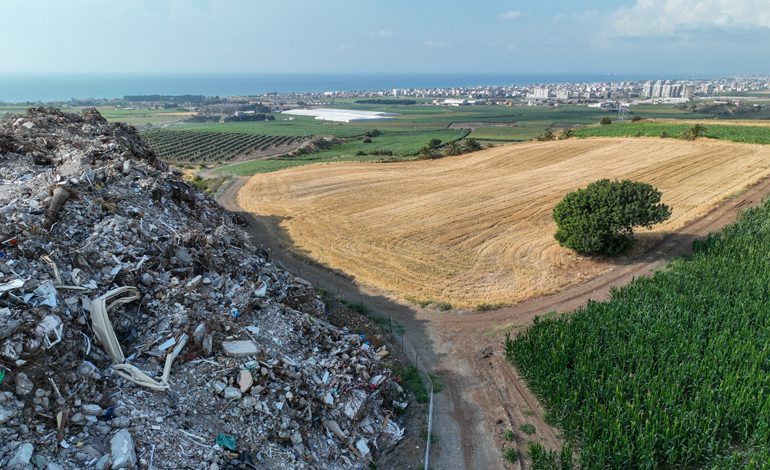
x: 227, y: 441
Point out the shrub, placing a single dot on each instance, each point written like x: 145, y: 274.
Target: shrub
x: 546, y: 135
x: 698, y: 130
x: 434, y: 143
x: 509, y: 435
x: 471, y: 145
x: 566, y: 133
x: 510, y: 454
x: 637, y: 119
x: 605, y: 121
x: 367, y: 140
x: 428, y: 153
x: 372, y: 133
x: 453, y: 149
x: 600, y: 218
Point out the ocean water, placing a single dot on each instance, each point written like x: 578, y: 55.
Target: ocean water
x: 43, y: 88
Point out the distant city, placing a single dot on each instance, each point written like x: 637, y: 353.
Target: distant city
x: 606, y: 95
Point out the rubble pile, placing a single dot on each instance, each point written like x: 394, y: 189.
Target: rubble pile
x: 139, y: 328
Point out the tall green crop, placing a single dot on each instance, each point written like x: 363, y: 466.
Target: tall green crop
x: 674, y: 370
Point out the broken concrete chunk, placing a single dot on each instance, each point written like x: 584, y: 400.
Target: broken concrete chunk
x: 240, y: 348
x: 232, y: 393
x: 199, y: 333
x: 353, y: 407
x: 245, y: 380
x: 24, y: 386
x: 91, y: 409
x: 122, y: 450
x: 22, y: 457
x: 362, y: 447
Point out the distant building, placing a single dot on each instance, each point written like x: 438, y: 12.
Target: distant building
x: 541, y: 93
x: 688, y: 91
x: 657, y: 89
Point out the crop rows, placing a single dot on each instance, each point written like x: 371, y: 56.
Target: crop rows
x: 193, y: 146
x: 735, y: 133
x: 674, y: 370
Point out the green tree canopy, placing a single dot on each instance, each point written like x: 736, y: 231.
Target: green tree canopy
x: 600, y: 218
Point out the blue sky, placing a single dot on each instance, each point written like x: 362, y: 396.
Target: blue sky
x: 330, y: 36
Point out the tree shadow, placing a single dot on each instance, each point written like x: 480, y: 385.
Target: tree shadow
x: 651, y: 247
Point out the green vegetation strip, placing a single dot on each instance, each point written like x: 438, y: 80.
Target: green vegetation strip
x: 674, y: 370
x: 388, y: 146
x: 745, y: 134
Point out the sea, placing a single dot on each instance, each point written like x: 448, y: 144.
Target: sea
x: 17, y: 88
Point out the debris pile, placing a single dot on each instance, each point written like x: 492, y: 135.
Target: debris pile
x: 139, y: 328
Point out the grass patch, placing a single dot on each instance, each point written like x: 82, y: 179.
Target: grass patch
x: 509, y: 435
x: 386, y: 323
x: 208, y: 185
x: 443, y: 306
x: 527, y: 429
x: 411, y: 381
x: 484, y: 307
x: 510, y: 454
x: 418, y: 302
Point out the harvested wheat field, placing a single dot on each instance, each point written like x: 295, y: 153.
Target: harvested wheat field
x: 477, y: 228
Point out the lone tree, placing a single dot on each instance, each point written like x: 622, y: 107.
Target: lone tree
x: 600, y: 218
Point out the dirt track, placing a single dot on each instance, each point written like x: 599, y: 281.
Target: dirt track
x: 483, y: 395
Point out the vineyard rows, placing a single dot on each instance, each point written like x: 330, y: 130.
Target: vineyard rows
x: 674, y: 371
x: 193, y: 146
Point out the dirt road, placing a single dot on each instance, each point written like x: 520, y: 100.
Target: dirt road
x: 483, y: 395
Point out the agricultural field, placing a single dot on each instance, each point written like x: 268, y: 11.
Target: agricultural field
x: 284, y: 125
x: 673, y: 371
x: 388, y: 146
x: 145, y: 118
x: 477, y: 228
x: 204, y: 147
x: 732, y: 131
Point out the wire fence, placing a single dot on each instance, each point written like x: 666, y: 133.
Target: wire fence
x: 398, y: 336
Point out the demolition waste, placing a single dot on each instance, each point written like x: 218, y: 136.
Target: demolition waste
x: 139, y: 328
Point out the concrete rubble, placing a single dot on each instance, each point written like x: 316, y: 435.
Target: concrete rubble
x: 85, y: 210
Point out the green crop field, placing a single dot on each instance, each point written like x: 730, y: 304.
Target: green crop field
x: 188, y: 146
x: 403, y: 145
x: 734, y: 133
x: 674, y: 370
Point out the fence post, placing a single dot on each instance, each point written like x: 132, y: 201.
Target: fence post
x: 430, y: 429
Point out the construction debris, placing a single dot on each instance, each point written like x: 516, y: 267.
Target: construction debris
x: 109, y: 263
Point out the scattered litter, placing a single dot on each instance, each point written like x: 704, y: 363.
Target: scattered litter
x: 13, y: 285
x: 227, y: 441
x: 45, y: 295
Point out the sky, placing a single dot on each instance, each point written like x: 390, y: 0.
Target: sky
x: 385, y: 36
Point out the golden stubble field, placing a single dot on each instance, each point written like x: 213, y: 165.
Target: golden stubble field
x: 477, y: 228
